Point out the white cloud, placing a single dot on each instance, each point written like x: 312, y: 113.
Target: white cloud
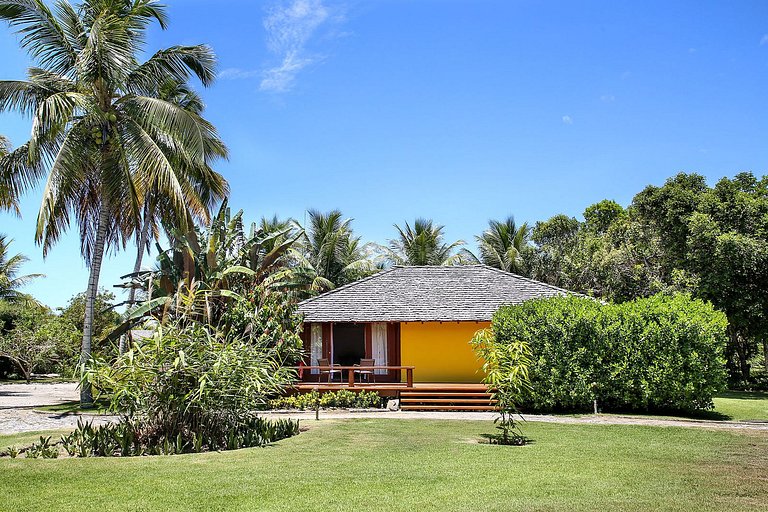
x: 290, y: 25
x: 764, y: 40
x: 567, y: 120
x: 608, y: 98
x: 237, y: 74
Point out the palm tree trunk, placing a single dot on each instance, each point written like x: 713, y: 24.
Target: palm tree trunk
x: 143, y: 237
x: 86, y: 393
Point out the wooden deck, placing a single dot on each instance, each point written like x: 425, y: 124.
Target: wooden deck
x: 392, y: 386
x: 424, y: 396
x: 420, y: 396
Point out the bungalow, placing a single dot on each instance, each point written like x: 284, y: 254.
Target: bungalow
x: 419, y: 319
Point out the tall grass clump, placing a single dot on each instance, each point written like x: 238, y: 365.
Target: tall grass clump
x: 196, y: 388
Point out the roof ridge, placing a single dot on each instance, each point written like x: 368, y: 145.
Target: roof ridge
x: 348, y: 285
x: 535, y: 281
x: 461, y: 265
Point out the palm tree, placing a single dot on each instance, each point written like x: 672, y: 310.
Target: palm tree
x: 423, y: 244
x: 10, y: 280
x: 329, y: 255
x: 502, y: 244
x: 207, y: 186
x: 206, y: 268
x: 99, y: 132
x: 8, y: 194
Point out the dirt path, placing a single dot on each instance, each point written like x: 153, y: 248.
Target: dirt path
x: 14, y: 396
x: 17, y: 414
x: 601, y: 419
x: 17, y: 403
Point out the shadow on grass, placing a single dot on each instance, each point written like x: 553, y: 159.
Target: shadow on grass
x: 73, y: 407
x: 744, y: 395
x: 512, y: 440
x: 653, y: 413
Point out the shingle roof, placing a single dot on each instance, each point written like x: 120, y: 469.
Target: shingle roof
x: 425, y: 294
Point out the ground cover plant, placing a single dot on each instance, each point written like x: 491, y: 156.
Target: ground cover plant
x: 398, y: 465
x: 124, y: 439
x: 660, y: 353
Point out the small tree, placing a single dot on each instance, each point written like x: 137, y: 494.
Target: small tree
x: 34, y: 340
x: 506, y: 374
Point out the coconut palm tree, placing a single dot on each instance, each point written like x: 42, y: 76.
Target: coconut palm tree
x: 8, y: 196
x: 329, y: 255
x: 99, y: 133
x: 207, y: 186
x: 10, y: 280
x: 502, y: 244
x: 423, y: 244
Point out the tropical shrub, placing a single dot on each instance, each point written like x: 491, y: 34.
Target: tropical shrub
x: 194, y: 386
x: 35, y: 340
x: 661, y: 352
x: 506, y: 369
x: 342, y: 399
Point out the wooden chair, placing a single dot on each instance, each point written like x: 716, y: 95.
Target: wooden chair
x: 367, y: 373
x: 329, y: 372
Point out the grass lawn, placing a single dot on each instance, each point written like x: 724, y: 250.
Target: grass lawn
x: 729, y: 406
x: 743, y: 405
x: 424, y: 465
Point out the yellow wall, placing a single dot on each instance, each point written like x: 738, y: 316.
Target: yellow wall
x: 440, y: 351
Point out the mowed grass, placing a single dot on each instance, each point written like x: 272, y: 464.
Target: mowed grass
x: 729, y: 406
x: 743, y: 405
x: 422, y: 465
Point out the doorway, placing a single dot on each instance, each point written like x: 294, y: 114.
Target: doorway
x: 348, y: 344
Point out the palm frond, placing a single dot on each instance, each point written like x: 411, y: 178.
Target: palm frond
x: 41, y: 34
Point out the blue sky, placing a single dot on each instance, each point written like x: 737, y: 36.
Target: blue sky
x: 456, y: 110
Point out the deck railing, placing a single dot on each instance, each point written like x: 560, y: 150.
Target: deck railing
x: 351, y: 371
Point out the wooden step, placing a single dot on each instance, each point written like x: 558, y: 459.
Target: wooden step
x: 448, y: 407
x: 448, y: 400
x: 468, y: 397
x: 411, y: 394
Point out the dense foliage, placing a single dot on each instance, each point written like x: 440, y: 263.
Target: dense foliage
x: 35, y: 339
x: 683, y: 236
x: 661, y: 352
x: 192, y: 384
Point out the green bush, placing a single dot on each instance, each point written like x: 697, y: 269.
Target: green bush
x: 342, y: 399
x: 35, y: 340
x: 658, y: 353
x: 192, y: 388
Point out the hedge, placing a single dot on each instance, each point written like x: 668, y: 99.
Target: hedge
x: 658, y: 353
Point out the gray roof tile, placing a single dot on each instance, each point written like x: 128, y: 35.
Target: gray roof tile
x: 425, y: 294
